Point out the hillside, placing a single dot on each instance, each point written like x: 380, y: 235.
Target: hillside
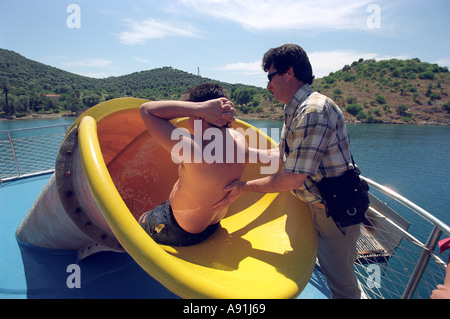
x: 389, y: 91
x: 29, y: 87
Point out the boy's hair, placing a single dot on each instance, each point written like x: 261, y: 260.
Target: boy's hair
x: 205, y: 92
x: 286, y: 56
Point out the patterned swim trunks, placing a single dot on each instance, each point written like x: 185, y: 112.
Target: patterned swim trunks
x: 162, y: 227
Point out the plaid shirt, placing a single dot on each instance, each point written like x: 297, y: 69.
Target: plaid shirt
x: 314, y: 140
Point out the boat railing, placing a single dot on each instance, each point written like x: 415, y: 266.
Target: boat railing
x: 397, y: 258
x: 29, y: 152
x: 405, y: 263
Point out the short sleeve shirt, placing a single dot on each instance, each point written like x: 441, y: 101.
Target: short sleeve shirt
x: 314, y: 140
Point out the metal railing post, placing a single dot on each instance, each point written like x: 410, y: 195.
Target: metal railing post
x: 422, y: 263
x: 14, y: 154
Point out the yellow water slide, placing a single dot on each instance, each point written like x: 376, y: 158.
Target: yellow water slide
x: 110, y: 171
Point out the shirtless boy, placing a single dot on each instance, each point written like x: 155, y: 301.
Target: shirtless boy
x: 188, y: 217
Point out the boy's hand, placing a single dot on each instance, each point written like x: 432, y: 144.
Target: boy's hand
x: 218, y: 112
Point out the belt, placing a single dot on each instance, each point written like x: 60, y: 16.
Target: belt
x: 319, y: 205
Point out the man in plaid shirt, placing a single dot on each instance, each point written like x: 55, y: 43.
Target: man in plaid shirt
x: 314, y: 144
x: 314, y: 141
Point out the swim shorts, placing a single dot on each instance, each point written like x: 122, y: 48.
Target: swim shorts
x: 162, y: 227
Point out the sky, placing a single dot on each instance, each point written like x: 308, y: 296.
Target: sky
x: 223, y: 40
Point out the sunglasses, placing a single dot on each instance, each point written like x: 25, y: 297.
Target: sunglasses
x: 271, y: 75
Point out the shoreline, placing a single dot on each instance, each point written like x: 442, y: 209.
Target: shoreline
x: 352, y: 121
x: 240, y: 117
x: 38, y: 117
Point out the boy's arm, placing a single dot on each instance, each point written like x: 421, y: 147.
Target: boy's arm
x: 218, y: 111
x: 157, y: 115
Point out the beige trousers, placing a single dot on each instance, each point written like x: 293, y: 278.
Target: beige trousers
x: 336, y: 254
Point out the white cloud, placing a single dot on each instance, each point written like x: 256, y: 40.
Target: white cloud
x: 252, y: 68
x: 443, y: 62
x: 286, y: 14
x: 97, y: 75
x: 92, y: 63
x: 250, y: 73
x: 141, y: 32
x: 94, y: 68
x: 142, y: 60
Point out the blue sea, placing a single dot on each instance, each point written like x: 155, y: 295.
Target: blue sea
x: 410, y: 159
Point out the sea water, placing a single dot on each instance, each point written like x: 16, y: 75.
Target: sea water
x: 35, y: 149
x: 30, y: 123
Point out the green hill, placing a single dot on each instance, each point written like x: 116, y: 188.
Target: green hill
x: 388, y: 91
x: 29, y: 87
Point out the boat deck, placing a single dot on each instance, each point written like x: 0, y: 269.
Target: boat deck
x: 30, y: 272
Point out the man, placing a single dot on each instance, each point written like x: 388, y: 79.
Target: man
x: 314, y: 144
x: 188, y: 217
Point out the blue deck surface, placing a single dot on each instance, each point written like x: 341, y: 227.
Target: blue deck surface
x: 30, y: 272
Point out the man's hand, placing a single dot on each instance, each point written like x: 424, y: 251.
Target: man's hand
x: 218, y: 112
x: 235, y: 189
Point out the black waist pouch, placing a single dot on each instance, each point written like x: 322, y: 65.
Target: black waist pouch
x: 346, y: 197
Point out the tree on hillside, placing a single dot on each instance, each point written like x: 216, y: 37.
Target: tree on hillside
x: 91, y: 100
x: 5, y: 87
x: 243, y: 96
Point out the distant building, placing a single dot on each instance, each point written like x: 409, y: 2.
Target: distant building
x: 52, y: 96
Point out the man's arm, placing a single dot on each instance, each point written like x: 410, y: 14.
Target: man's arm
x: 279, y: 182
x: 264, y: 156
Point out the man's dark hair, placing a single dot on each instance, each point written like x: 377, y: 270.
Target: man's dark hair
x: 205, y: 92
x: 286, y: 56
